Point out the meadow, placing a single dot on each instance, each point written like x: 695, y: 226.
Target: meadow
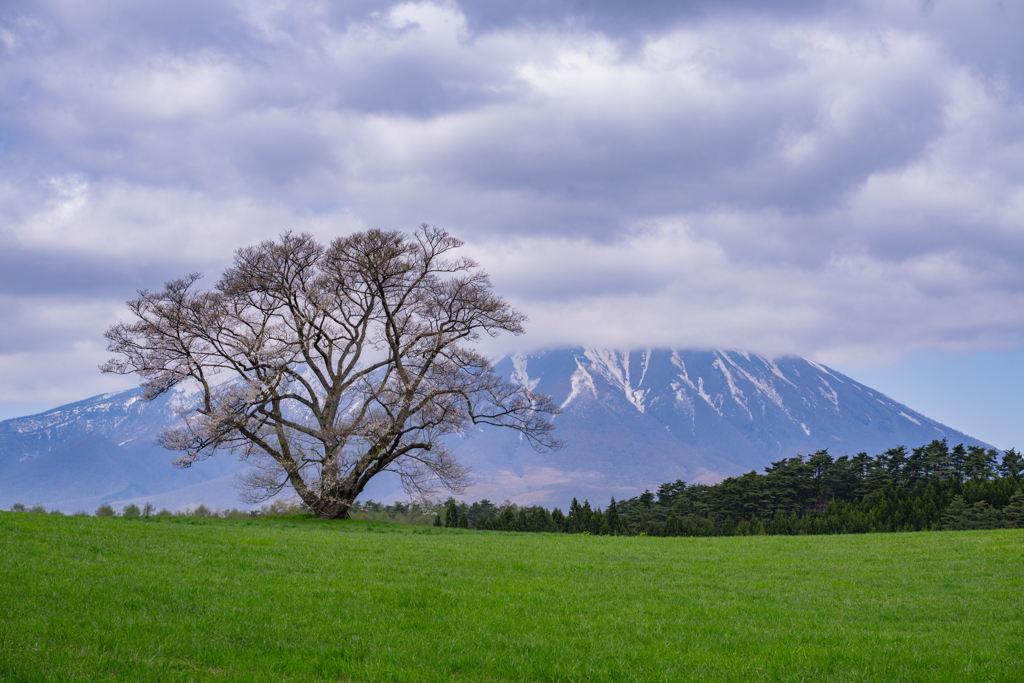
x: 293, y: 598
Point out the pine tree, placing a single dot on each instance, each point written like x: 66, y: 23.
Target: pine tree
x: 1012, y: 466
x: 507, y: 519
x: 980, y: 462
x: 984, y: 516
x: 585, y: 515
x: 937, y: 459
x: 1013, y: 513
x: 955, y: 517
x: 612, y: 517
x: 464, y: 521
x: 558, y: 519
x: 573, y: 519
x: 672, y: 527
x: 451, y: 514
x: 897, y: 461
x: 958, y: 462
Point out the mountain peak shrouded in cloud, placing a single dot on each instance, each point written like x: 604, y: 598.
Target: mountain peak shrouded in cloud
x: 838, y: 180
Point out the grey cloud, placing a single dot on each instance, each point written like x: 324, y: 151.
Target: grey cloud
x: 624, y: 18
x: 813, y: 177
x: 35, y: 272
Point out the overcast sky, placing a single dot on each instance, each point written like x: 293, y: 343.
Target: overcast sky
x: 839, y: 180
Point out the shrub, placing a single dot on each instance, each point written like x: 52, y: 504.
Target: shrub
x: 164, y: 512
x: 81, y: 513
x: 105, y: 511
x: 55, y: 511
x: 17, y: 507
x: 130, y: 510
x: 295, y: 506
x: 37, y: 509
x: 202, y: 511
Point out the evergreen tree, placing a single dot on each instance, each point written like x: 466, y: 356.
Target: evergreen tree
x: 668, y: 493
x: 937, y: 459
x: 859, y: 468
x: 507, y: 519
x: 821, y: 466
x: 878, y: 476
x: 1012, y: 466
x: 1013, y: 513
x: 916, y: 467
x: 612, y: 517
x: 984, y: 516
x: 573, y: 520
x: 958, y: 462
x: 464, y: 521
x: 482, y: 509
x: 672, y: 526
x: 980, y: 462
x: 451, y: 513
x: 896, y: 459
x: 585, y: 514
x: 558, y: 519
x: 956, y: 516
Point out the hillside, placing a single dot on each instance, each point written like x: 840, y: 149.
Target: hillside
x: 299, y: 599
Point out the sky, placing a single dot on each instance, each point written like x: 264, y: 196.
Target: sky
x: 838, y: 180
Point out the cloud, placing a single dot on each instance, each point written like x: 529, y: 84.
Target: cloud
x: 841, y: 180
x: 665, y: 287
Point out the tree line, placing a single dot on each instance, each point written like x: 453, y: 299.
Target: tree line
x: 932, y: 487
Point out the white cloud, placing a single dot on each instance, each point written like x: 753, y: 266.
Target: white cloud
x: 844, y: 181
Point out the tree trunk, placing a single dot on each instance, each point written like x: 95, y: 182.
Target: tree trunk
x: 332, y: 509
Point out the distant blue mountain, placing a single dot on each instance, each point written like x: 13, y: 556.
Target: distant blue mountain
x: 104, y: 449
x: 631, y: 420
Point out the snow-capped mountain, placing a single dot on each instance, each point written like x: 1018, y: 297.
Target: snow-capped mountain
x: 630, y: 419
x: 104, y: 449
x: 634, y: 419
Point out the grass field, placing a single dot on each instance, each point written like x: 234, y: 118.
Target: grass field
x: 180, y: 599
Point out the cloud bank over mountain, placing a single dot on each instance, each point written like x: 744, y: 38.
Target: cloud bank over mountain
x: 842, y: 180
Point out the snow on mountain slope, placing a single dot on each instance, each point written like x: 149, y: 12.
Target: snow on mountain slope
x: 635, y: 419
x: 631, y: 420
x: 102, y: 449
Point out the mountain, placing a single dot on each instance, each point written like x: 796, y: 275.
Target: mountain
x: 631, y: 420
x: 104, y: 449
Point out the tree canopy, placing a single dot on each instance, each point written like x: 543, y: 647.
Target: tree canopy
x: 325, y: 365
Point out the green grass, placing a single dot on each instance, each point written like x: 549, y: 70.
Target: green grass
x: 181, y: 599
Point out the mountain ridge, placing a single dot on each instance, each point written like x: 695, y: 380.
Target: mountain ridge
x: 631, y: 420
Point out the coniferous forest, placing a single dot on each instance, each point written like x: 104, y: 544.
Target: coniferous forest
x: 933, y: 487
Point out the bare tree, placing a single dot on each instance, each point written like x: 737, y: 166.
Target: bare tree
x: 342, y: 361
